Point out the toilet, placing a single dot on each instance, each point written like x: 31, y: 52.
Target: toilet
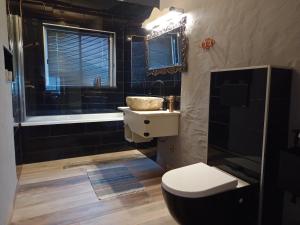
x: 205, y: 195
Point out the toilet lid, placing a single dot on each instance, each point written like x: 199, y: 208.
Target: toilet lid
x: 198, y: 180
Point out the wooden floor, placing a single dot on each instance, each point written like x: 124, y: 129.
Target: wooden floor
x: 59, y: 193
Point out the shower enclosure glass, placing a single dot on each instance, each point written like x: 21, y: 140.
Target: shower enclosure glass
x: 62, y: 70
x: 16, y: 46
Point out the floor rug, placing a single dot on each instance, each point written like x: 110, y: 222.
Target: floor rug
x: 113, y: 182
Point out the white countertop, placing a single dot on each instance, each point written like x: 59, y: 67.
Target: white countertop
x: 157, y: 112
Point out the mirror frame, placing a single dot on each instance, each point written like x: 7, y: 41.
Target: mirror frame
x: 183, y: 50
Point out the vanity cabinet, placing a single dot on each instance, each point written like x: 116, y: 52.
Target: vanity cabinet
x: 143, y: 126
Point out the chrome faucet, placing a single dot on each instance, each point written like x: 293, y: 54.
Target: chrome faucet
x: 162, y: 91
x: 162, y: 87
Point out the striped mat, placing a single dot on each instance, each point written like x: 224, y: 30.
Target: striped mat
x: 113, y: 182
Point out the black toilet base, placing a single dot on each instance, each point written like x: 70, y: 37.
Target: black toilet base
x: 236, y: 207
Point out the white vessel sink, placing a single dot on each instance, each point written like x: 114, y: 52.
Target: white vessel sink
x: 138, y: 103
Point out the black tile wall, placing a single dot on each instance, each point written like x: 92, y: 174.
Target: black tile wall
x: 70, y: 100
x: 137, y: 80
x: 43, y: 143
x: 73, y: 100
x: 18, y: 145
x: 78, y: 100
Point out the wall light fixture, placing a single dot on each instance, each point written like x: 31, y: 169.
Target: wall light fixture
x: 160, y: 19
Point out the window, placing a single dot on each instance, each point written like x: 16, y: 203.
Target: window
x: 78, y: 57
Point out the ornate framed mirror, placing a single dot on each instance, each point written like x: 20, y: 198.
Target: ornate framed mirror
x: 166, y: 50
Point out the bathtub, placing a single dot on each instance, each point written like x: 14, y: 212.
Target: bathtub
x: 69, y: 119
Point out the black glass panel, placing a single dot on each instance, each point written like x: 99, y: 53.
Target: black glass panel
x: 237, y: 107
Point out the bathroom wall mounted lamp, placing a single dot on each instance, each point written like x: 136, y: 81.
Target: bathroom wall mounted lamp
x: 160, y: 19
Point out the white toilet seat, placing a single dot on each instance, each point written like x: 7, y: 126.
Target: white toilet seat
x: 197, y: 180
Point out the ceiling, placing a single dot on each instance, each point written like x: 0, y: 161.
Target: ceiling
x: 124, y: 8
x: 135, y: 10
x: 110, y: 4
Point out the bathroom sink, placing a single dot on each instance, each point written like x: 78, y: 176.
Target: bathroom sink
x: 139, y: 103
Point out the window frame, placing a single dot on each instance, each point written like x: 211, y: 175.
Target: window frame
x: 113, y: 76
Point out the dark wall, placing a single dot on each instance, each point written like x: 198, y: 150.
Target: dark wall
x: 89, y: 99
x: 18, y: 146
x: 138, y: 82
x: 76, y: 100
x: 42, y: 143
x: 70, y: 100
